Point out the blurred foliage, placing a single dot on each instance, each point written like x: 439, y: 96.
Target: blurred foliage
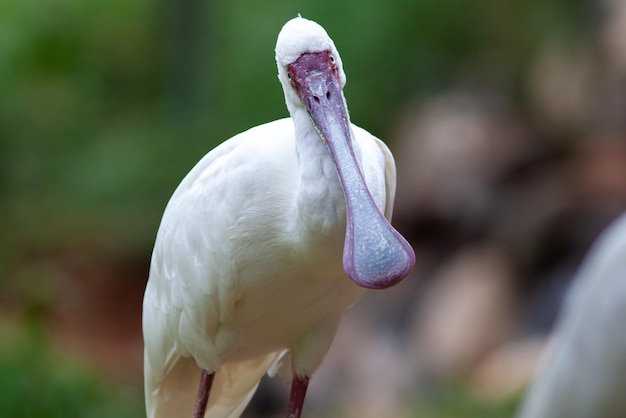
x: 453, y: 400
x: 105, y: 105
x: 37, y: 382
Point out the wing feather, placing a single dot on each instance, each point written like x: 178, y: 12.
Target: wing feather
x: 233, y: 388
x: 379, y: 169
x: 193, y: 287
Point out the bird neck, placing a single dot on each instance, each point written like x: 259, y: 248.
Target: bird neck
x: 321, y: 203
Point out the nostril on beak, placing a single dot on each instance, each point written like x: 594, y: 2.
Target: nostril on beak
x: 317, y: 98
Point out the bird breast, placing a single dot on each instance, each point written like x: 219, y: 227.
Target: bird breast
x: 251, y: 238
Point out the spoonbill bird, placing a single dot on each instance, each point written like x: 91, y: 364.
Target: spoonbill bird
x: 585, y: 368
x: 253, y: 258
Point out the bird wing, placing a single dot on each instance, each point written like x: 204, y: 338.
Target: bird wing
x: 187, y: 295
x: 193, y: 284
x: 585, y: 368
x: 232, y: 388
x: 379, y: 169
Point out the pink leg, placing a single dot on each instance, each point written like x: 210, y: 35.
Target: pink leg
x: 296, y: 397
x: 206, y: 381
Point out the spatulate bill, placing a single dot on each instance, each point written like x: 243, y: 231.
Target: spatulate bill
x: 375, y: 255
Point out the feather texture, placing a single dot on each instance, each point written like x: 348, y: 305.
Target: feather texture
x: 209, y: 274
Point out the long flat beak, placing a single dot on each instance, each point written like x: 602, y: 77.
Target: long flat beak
x: 375, y: 255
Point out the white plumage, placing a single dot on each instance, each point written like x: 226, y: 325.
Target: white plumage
x: 585, y: 368
x: 247, y: 266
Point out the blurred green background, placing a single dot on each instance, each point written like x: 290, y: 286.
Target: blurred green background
x: 105, y: 105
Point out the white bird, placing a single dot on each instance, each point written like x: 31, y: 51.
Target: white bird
x: 253, y: 258
x: 585, y: 368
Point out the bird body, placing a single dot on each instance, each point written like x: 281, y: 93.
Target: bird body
x: 249, y: 269
x: 585, y: 367
x: 192, y: 298
x: 209, y: 272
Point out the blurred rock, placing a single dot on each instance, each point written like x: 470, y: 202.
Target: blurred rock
x: 469, y: 310
x: 529, y: 204
x: 507, y: 370
x: 450, y: 153
x: 365, y: 372
x: 599, y: 170
x: 562, y: 89
x: 613, y: 35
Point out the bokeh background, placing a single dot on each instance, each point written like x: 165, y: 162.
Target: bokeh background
x: 507, y: 119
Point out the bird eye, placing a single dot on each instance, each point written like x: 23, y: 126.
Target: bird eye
x: 289, y: 76
x: 332, y: 58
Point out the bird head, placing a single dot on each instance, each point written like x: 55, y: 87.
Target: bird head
x: 375, y: 255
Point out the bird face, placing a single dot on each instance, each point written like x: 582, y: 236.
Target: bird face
x: 312, y: 73
x: 314, y: 76
x: 375, y: 255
